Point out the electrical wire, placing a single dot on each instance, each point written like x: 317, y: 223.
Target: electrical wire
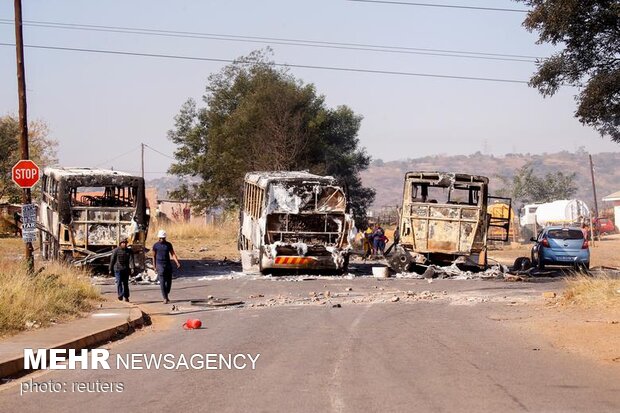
x: 286, y: 65
x: 159, y: 152
x: 446, y: 6
x: 282, y: 41
x: 116, y: 157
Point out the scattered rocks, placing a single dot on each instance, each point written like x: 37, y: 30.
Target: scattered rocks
x: 549, y: 294
x: 256, y: 296
x: 336, y: 306
x: 395, y: 299
x: 348, y: 289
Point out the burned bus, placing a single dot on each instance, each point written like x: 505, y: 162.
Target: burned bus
x: 84, y: 213
x: 293, y: 221
x: 444, y: 220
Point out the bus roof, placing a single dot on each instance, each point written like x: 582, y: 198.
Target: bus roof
x: 92, y: 176
x: 262, y: 179
x: 60, y: 172
x: 446, y: 177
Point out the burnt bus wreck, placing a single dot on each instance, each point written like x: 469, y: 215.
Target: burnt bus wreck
x: 84, y: 213
x: 444, y: 220
x: 293, y: 221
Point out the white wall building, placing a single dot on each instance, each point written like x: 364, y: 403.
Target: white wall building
x: 615, y: 199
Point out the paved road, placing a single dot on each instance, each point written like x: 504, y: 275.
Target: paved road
x: 440, y: 348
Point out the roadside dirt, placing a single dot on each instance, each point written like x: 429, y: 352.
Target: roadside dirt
x: 588, y: 332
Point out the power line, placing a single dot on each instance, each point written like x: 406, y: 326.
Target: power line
x: 446, y: 6
x: 116, y: 157
x: 286, y: 65
x: 282, y: 41
x: 159, y: 152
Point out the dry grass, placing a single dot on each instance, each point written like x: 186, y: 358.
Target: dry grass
x: 589, y: 291
x: 200, y: 241
x: 58, y: 292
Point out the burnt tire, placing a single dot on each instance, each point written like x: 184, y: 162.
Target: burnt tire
x: 522, y: 264
x: 400, y: 260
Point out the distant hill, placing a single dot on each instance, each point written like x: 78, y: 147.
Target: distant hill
x: 387, y: 177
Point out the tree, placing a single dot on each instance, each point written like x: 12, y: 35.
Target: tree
x: 530, y: 188
x: 589, y: 30
x: 42, y: 150
x: 259, y: 118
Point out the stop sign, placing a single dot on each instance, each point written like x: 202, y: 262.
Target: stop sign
x: 25, y: 173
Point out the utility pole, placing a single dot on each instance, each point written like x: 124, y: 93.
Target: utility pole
x: 23, y: 120
x: 593, y: 187
x: 142, y: 146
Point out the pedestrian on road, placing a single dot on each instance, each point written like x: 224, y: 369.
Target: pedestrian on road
x: 121, y: 265
x: 162, y: 252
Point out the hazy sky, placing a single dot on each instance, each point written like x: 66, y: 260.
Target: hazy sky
x: 101, y: 106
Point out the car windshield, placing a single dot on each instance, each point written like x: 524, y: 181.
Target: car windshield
x: 565, y: 233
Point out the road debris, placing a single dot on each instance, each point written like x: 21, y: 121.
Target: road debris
x: 192, y: 324
x: 549, y: 294
x: 454, y: 272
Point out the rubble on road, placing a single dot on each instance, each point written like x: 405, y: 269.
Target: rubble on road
x: 453, y: 272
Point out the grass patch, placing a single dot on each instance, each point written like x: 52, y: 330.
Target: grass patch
x: 57, y: 293
x: 588, y: 291
x: 198, y: 241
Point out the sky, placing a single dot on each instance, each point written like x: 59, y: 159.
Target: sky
x: 101, y: 107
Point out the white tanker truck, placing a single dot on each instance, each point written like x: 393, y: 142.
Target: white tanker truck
x: 561, y: 212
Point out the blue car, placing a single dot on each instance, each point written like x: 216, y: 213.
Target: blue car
x: 557, y: 245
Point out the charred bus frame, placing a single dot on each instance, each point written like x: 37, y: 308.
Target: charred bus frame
x: 293, y: 221
x: 444, y: 219
x: 84, y: 213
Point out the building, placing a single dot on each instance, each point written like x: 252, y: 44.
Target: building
x: 163, y: 211
x: 615, y: 200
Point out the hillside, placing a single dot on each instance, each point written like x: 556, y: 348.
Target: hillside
x: 387, y: 177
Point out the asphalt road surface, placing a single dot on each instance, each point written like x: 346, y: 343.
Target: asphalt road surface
x: 439, y: 348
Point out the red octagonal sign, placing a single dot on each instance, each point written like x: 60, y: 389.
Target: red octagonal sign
x: 25, y: 173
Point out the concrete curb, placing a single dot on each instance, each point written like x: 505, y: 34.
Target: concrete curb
x: 136, y: 319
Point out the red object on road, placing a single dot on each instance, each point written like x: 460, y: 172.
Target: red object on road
x: 25, y: 173
x: 192, y: 324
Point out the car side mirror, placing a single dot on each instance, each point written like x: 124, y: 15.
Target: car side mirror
x: 533, y: 239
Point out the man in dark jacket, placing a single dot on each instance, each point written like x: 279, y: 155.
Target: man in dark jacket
x: 121, y: 265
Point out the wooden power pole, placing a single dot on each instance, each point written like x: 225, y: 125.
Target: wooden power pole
x: 142, y: 157
x: 23, y: 119
x: 593, y: 187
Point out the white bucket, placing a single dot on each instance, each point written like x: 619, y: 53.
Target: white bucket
x: 381, y: 272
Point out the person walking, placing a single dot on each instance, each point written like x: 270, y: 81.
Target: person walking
x: 162, y: 252
x: 121, y: 265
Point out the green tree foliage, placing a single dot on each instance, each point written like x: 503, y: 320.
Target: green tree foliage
x: 42, y: 150
x: 260, y: 118
x: 528, y: 188
x: 589, y: 31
